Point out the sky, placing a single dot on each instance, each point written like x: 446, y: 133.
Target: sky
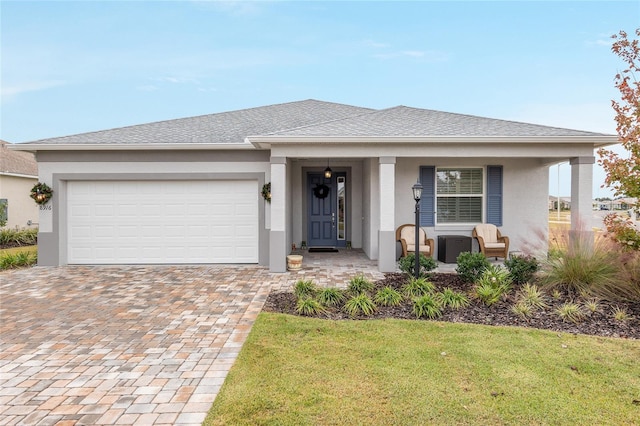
x: 79, y: 66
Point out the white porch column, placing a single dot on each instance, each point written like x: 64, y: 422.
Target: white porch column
x: 387, y: 232
x: 581, y: 194
x: 277, y: 235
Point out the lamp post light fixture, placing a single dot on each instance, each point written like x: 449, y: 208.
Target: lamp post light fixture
x: 417, y: 194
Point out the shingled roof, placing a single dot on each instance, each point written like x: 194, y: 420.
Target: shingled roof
x: 222, y: 128
x: 310, y: 118
x: 406, y: 121
x: 16, y: 162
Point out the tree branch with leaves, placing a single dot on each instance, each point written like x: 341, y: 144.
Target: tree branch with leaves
x: 623, y: 173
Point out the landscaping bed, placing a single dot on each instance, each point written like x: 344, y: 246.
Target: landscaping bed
x: 600, y: 322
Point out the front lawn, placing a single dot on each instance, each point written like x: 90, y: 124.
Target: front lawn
x: 296, y: 371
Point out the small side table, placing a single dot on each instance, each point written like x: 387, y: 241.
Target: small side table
x: 450, y: 247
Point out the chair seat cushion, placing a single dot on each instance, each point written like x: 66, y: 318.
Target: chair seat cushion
x: 423, y: 249
x: 494, y: 245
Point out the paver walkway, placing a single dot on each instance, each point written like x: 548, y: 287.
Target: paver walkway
x: 147, y: 345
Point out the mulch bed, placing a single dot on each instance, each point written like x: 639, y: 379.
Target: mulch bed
x: 13, y: 245
x: 600, y: 323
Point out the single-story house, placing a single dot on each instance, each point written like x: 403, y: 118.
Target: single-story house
x: 565, y: 203
x: 244, y: 186
x: 18, y: 174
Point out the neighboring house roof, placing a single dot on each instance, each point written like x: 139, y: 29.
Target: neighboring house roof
x: 17, y: 163
x: 312, y: 120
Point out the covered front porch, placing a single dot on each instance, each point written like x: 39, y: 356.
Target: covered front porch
x: 373, y: 197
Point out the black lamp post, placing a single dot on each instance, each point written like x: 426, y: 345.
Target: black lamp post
x: 417, y: 194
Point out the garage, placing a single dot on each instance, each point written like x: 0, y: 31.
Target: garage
x: 153, y: 222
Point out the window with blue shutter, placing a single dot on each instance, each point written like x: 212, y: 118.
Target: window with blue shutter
x: 457, y: 196
x: 494, y: 195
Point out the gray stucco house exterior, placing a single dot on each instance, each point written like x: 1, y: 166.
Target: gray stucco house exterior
x: 189, y: 190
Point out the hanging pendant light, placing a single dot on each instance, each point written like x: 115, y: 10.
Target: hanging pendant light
x: 327, y: 171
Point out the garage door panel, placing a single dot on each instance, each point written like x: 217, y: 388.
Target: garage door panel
x: 162, y: 222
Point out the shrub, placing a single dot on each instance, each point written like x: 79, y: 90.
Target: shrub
x: 360, y: 304
x: 407, y: 264
x: 308, y: 306
x: 571, y: 312
x: 388, y: 297
x: 427, y: 306
x: 471, y: 266
x: 452, y: 299
x: 360, y: 284
x: 623, y: 231
x: 305, y: 288
x: 522, y: 268
x: 417, y: 287
x: 331, y: 296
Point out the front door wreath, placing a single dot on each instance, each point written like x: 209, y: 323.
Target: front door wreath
x: 321, y: 191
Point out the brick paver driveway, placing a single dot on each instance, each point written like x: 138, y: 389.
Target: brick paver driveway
x: 121, y: 345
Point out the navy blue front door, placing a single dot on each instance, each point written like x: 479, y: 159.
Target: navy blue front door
x: 322, y: 202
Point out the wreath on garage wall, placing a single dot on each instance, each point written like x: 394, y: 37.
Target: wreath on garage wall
x: 41, y: 193
x: 266, y: 192
x: 321, y: 191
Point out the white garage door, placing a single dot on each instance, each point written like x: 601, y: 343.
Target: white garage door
x: 142, y: 222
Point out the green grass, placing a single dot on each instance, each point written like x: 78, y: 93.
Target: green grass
x: 305, y: 371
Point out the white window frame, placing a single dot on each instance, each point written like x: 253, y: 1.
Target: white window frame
x: 482, y: 196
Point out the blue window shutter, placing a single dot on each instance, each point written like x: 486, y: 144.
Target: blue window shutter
x: 494, y: 195
x: 428, y: 200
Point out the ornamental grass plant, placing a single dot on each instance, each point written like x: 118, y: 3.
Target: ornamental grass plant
x: 584, y: 266
x: 11, y: 237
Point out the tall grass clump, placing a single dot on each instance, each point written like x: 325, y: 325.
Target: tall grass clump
x: 427, y: 306
x: 331, y: 296
x: 18, y: 237
x: 360, y: 284
x: 388, y: 297
x: 305, y: 289
x: 452, y: 299
x: 309, y: 306
x: 360, y: 304
x: 591, y: 267
x: 20, y: 259
x: 417, y: 287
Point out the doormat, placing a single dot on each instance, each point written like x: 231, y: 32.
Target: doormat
x: 323, y: 250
